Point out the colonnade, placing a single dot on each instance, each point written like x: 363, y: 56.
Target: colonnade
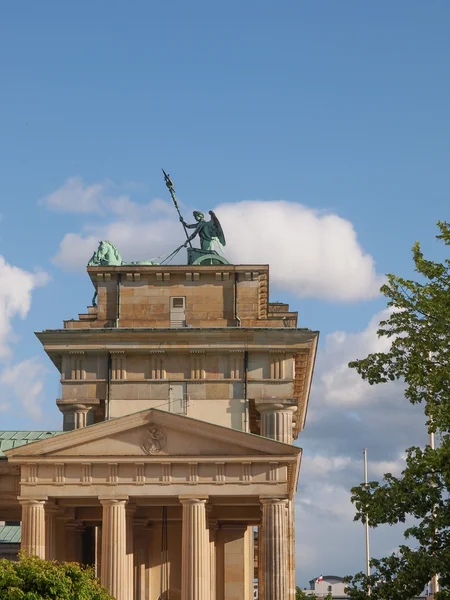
x: 119, y: 557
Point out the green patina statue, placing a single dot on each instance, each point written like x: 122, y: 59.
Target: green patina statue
x: 209, y: 232
x: 107, y: 255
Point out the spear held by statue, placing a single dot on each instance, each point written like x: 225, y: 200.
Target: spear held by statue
x: 171, y: 189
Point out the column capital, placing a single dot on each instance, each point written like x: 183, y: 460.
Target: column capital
x: 273, y: 500
x: 112, y: 501
x: 193, y: 499
x: 32, y: 501
x: 72, y: 407
x: 276, y: 406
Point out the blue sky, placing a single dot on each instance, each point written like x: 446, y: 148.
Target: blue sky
x: 341, y: 107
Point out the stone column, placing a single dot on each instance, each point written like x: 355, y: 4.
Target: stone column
x: 72, y: 545
x: 212, y: 530
x: 250, y: 570
x: 141, y: 559
x: 273, y: 544
x: 194, y: 555
x: 98, y: 551
x: 80, y: 416
x: 33, y: 526
x: 260, y: 563
x: 276, y: 421
x: 235, y: 554
x: 130, y: 510
x: 75, y: 415
x: 114, y: 562
x: 61, y: 542
x: 79, y: 530
x: 291, y: 549
x: 51, y: 511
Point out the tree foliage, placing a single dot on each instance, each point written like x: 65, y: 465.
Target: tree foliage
x: 301, y: 594
x: 31, y: 578
x: 419, y: 329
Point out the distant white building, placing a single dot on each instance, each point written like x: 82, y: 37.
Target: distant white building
x: 327, y: 584
x: 332, y: 584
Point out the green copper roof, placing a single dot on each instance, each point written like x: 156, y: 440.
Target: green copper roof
x: 10, y: 534
x: 13, y: 439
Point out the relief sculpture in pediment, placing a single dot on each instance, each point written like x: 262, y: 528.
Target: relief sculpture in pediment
x: 154, y: 440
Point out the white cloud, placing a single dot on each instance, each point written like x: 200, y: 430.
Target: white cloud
x: 339, y: 385
x: 16, y: 286
x: 311, y: 253
x: 76, y: 197
x: 21, y: 382
x: 25, y: 382
x: 345, y: 416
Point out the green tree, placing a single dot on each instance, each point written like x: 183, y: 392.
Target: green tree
x: 300, y: 594
x: 419, y: 329
x: 31, y: 578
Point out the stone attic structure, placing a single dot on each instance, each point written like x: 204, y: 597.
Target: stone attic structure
x: 183, y: 391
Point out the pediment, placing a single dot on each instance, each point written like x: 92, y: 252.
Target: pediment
x: 154, y: 433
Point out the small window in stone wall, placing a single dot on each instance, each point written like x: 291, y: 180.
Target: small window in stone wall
x: 178, y: 311
x: 178, y: 302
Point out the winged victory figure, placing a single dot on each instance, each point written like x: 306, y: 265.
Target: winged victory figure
x: 209, y: 232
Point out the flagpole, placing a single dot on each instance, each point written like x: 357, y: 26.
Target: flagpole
x: 435, y: 578
x: 367, y: 522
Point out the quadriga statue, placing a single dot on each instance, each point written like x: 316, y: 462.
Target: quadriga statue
x: 107, y: 255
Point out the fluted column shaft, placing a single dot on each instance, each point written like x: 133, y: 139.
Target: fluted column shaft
x: 260, y: 563
x: 291, y: 549
x: 273, y: 544
x: 212, y: 527
x: 51, y: 511
x: 141, y: 559
x: 61, y: 543
x: 98, y: 551
x: 79, y: 531
x: 72, y: 546
x: 130, y: 510
x: 80, y: 418
x: 276, y: 421
x: 195, y: 558
x: 114, y: 572
x: 33, y: 527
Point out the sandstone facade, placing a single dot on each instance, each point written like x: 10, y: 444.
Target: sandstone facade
x: 182, y: 393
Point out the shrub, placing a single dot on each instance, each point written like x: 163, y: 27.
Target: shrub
x: 31, y: 578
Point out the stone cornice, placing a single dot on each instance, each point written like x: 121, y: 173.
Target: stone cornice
x: 188, y: 338
x: 173, y: 459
